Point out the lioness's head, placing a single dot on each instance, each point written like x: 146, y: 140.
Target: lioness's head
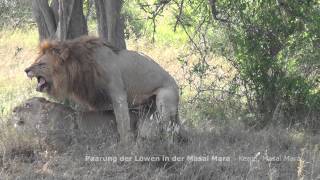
x: 30, y: 114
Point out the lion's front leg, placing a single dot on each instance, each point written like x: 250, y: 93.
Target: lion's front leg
x: 121, y: 111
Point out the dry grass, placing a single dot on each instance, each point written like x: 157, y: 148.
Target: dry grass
x: 233, y: 143
x: 17, y: 50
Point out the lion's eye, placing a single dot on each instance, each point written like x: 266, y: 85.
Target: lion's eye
x: 20, y: 122
x: 27, y: 105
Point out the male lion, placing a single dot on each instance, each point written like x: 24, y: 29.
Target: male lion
x: 92, y: 72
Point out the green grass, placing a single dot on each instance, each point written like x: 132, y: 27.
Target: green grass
x: 165, y: 35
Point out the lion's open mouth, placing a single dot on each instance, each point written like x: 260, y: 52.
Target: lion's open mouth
x: 42, y: 84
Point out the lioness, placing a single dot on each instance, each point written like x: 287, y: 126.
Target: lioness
x: 58, y: 126
x: 92, y: 72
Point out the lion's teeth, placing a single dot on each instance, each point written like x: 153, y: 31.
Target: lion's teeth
x: 42, y: 81
x: 38, y: 87
x: 30, y: 74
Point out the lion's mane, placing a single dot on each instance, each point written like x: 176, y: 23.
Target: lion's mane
x: 76, y: 74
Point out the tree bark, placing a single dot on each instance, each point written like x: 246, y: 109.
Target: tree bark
x: 62, y: 20
x: 110, y: 22
x: 44, y: 18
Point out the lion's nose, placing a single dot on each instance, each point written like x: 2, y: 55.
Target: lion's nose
x: 29, y: 73
x: 27, y: 70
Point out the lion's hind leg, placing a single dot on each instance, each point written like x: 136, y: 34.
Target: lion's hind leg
x: 167, y: 102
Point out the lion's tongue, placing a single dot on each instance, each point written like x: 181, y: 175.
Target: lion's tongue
x: 41, y: 82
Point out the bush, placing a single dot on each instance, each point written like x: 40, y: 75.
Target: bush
x: 275, y: 53
x: 16, y: 13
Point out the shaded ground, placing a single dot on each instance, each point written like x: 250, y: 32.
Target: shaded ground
x: 224, y: 153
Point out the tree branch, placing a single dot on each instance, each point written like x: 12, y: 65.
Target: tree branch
x: 215, y: 13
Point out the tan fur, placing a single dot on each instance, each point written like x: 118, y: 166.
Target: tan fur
x: 66, y: 64
x: 92, y: 72
x: 57, y: 126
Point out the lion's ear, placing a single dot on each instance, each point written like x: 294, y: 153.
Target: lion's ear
x: 61, y: 52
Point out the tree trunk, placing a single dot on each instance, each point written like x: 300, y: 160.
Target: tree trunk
x: 110, y: 22
x: 44, y: 18
x: 62, y: 20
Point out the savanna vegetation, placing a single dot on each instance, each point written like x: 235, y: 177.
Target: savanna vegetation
x: 248, y: 73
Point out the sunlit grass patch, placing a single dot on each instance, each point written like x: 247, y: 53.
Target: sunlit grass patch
x: 19, y: 38
x: 13, y: 92
x: 18, y: 49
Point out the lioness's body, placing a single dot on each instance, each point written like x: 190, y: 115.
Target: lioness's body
x: 93, y: 73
